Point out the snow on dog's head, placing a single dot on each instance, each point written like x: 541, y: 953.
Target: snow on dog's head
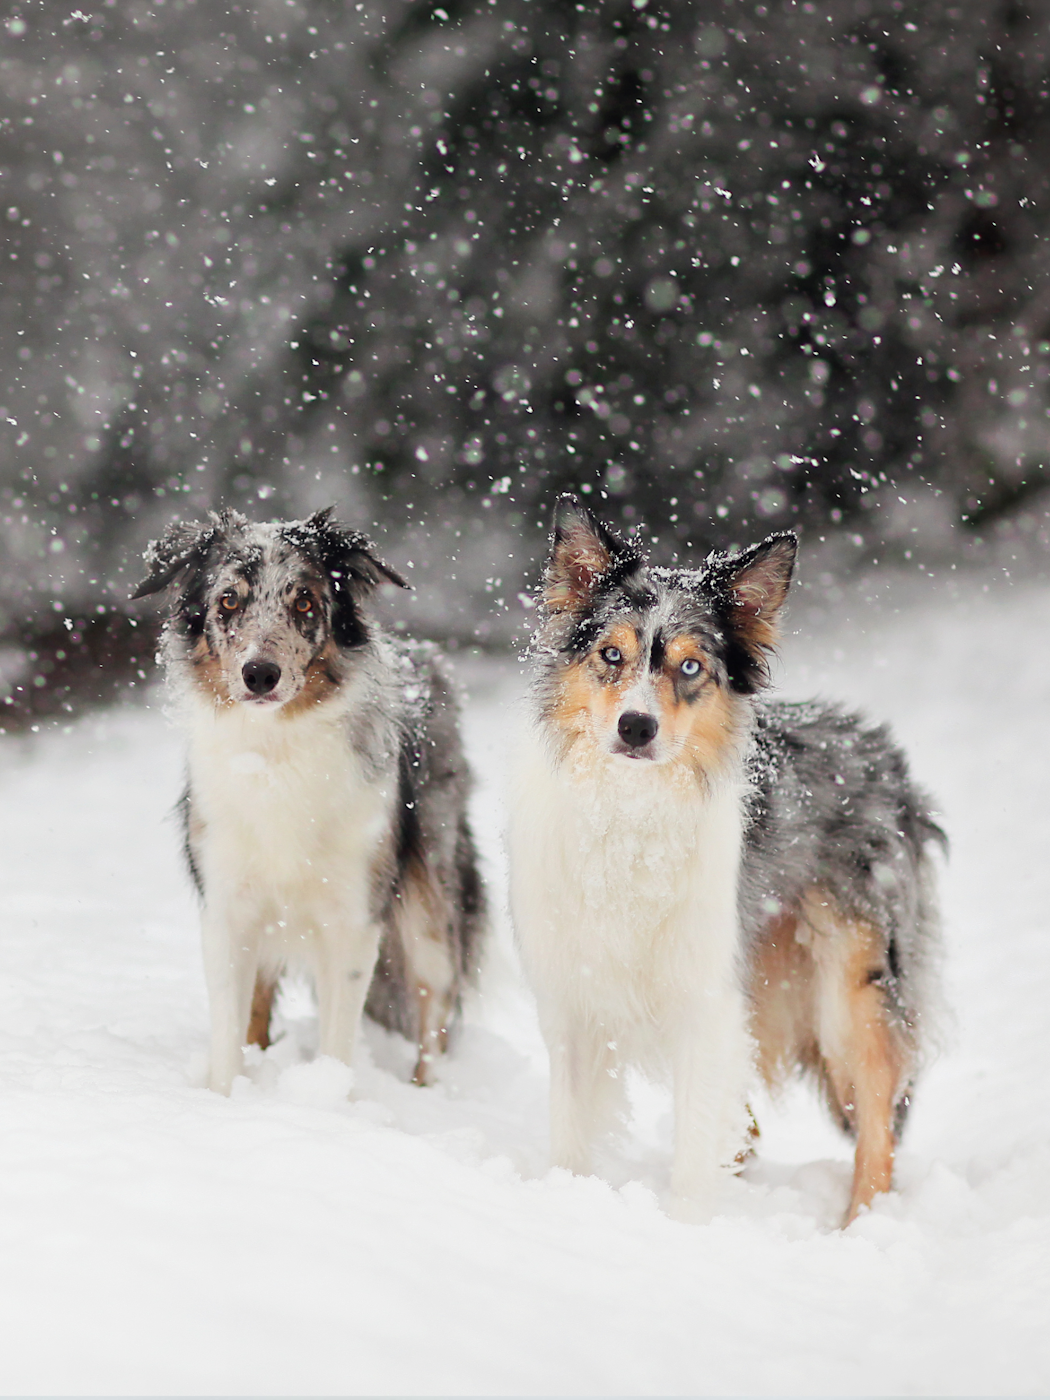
x: 266, y: 615
x: 653, y: 664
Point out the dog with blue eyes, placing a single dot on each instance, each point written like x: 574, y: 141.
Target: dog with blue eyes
x: 706, y: 883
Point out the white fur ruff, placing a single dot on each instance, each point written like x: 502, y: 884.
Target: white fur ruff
x: 624, y: 898
x: 287, y: 828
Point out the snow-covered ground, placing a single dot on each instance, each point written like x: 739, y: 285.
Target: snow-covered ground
x: 157, y: 1238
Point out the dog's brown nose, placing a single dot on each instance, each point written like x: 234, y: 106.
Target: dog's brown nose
x: 261, y: 676
x: 637, y: 729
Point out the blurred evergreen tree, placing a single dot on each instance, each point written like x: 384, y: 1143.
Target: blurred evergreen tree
x: 733, y: 265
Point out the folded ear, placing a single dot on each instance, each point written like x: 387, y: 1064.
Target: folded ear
x: 348, y: 554
x: 583, y: 552
x: 182, y: 545
x: 750, y: 588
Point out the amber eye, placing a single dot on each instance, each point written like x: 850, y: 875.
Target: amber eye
x: 230, y: 602
x: 304, y: 603
x: 612, y: 656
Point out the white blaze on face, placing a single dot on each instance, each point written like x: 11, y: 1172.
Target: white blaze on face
x: 639, y: 697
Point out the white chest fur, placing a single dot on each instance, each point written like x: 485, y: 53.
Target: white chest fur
x: 286, y: 827
x: 283, y: 810
x: 623, y: 884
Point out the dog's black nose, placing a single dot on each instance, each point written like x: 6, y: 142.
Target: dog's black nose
x: 637, y: 729
x: 261, y: 676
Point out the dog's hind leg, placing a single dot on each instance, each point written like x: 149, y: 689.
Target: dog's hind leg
x: 436, y: 1009
x: 262, y: 1009
x: 862, y: 1048
x: 424, y: 924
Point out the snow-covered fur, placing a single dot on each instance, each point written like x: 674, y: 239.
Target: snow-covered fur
x: 325, y: 810
x: 692, y: 867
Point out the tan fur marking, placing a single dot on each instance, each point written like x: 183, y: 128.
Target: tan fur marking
x: 262, y: 1008
x: 761, y: 631
x: 863, y: 1051
x: 576, y: 694
x: 584, y: 698
x: 681, y: 648
x: 625, y: 638
x: 706, y: 730
x: 208, y: 672
x: 783, y: 1015
x: 707, y: 727
x: 869, y: 1071
x: 318, y: 685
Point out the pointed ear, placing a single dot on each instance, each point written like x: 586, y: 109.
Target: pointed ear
x: 367, y: 566
x: 750, y: 588
x: 582, y: 553
x: 347, y: 553
x: 183, y: 545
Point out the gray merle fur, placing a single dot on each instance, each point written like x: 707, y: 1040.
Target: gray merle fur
x: 831, y: 802
x: 833, y: 805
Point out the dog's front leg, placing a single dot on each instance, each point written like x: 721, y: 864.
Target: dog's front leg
x: 710, y: 1058
x: 348, y: 959
x: 230, y: 963
x: 585, y: 1092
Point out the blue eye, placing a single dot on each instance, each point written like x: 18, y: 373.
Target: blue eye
x: 690, y: 667
x: 612, y: 656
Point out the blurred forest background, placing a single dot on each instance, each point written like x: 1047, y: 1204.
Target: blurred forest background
x: 724, y: 266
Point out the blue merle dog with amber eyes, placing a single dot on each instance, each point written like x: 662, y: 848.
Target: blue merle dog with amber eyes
x: 700, y: 876
x: 326, y: 807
